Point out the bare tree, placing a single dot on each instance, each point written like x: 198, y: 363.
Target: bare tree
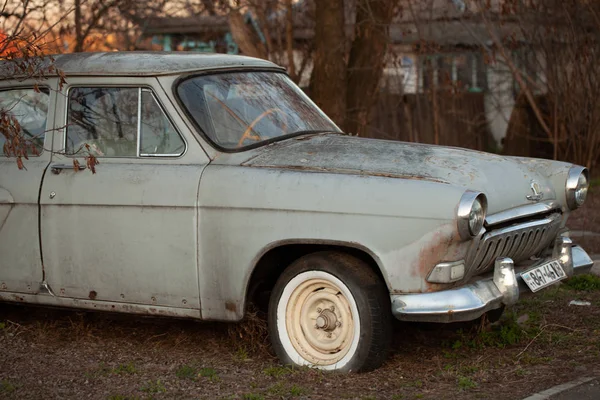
x: 22, y: 52
x: 328, y: 79
x: 554, y: 57
x: 366, y: 61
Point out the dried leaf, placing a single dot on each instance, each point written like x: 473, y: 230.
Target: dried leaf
x: 91, y: 163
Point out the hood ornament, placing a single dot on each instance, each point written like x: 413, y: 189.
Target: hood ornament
x: 537, y: 192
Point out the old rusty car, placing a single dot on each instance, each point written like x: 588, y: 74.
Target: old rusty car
x: 221, y: 184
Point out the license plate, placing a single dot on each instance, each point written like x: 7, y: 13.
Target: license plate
x: 544, y: 275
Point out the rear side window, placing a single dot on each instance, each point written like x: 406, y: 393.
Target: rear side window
x: 119, y: 122
x: 30, y: 110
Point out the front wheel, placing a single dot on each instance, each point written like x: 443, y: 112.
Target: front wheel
x: 331, y: 311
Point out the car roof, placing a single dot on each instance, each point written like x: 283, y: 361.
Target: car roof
x: 140, y: 63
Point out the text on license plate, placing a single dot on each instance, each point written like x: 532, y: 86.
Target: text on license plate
x: 544, y: 275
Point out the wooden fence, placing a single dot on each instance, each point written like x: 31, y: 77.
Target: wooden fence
x: 459, y: 121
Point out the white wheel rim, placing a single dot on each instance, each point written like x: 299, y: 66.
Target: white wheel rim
x: 318, y: 321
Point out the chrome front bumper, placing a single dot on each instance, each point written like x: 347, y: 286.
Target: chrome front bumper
x: 473, y: 300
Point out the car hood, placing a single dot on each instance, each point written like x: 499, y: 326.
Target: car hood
x: 506, y: 181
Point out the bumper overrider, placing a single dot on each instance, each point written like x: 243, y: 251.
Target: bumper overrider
x: 473, y: 300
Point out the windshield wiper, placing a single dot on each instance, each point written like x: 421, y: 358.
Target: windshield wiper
x: 309, y: 132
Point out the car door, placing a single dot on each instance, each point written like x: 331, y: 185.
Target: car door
x: 20, y: 258
x: 128, y: 232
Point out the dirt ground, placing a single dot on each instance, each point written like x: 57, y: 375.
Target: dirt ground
x: 51, y: 354
x: 541, y: 342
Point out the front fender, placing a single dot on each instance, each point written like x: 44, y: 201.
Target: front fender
x: 406, y: 225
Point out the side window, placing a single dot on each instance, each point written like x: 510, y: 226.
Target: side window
x: 158, y: 135
x: 103, y: 121
x: 30, y: 109
x: 119, y: 122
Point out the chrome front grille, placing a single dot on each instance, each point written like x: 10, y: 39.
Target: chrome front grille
x: 519, y: 241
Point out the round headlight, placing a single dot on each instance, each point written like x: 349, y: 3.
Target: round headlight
x: 577, y: 187
x: 476, y: 217
x: 471, y: 214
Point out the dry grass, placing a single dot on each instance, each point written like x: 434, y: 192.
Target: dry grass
x: 67, y: 354
x: 252, y: 334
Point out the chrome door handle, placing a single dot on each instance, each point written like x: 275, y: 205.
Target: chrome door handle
x: 56, y: 168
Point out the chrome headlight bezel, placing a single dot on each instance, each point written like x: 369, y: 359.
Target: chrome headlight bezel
x: 468, y: 207
x: 578, y: 182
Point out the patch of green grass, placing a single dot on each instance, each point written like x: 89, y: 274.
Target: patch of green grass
x: 457, y: 345
x: 241, y: 354
x: 469, y: 369
x: 121, y: 397
x: 533, y: 360
x: 186, y: 372
x: 2, y: 325
x: 397, y: 397
x: 560, y: 337
x: 128, y: 368
x: 253, y: 396
x: 368, y: 398
x: 466, y: 383
x: 450, y: 355
x: 277, y: 389
x: 521, y: 372
x: 586, y: 283
x: 296, y: 390
x: 154, y: 387
x: 419, y: 396
x: 508, y: 333
x: 7, y: 387
x: 209, y: 373
x: 277, y: 371
x: 102, y: 370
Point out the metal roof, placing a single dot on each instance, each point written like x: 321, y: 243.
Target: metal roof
x: 141, y: 63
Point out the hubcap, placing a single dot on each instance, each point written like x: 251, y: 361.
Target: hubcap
x: 327, y: 321
x: 319, y: 322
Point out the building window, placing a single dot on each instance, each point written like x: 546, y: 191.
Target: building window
x: 463, y: 71
x: 530, y: 66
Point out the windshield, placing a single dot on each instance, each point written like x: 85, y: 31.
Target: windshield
x: 237, y: 110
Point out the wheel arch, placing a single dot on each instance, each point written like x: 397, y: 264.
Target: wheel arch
x: 274, y: 258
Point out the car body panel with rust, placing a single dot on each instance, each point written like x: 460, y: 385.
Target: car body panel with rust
x: 220, y: 183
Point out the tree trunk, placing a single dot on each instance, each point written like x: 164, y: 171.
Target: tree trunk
x: 289, y: 37
x: 78, y: 31
x: 246, y: 37
x: 328, y: 78
x: 366, y: 62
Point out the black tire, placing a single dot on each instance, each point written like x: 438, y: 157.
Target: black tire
x: 367, y: 348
